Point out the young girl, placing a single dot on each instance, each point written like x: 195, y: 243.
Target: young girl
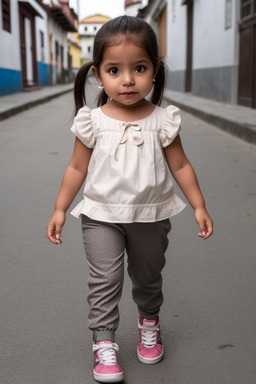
x: 125, y: 149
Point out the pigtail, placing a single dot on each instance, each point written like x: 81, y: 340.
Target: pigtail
x: 158, y: 90
x: 79, y: 86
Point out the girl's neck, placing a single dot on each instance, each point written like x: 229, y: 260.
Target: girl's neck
x: 128, y: 113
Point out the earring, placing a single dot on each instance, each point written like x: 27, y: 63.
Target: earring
x: 100, y: 87
x: 154, y: 80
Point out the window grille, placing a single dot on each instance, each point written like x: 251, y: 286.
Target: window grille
x: 6, y: 15
x: 42, y: 45
x: 228, y: 14
x: 248, y: 8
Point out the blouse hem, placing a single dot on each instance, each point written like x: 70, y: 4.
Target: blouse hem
x: 129, y: 214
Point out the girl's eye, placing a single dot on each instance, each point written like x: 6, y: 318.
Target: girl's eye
x: 113, y: 71
x: 140, y: 68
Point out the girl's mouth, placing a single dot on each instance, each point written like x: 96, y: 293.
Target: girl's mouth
x: 128, y: 94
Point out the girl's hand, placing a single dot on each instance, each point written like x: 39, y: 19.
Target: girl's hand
x: 55, y: 226
x: 204, y: 222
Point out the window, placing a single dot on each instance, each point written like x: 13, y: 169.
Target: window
x: 56, y: 50
x: 42, y: 39
x: 247, y: 8
x: 6, y: 15
x: 42, y: 46
x: 228, y: 14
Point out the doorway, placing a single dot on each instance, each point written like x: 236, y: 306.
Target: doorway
x: 28, y: 44
x: 247, y: 54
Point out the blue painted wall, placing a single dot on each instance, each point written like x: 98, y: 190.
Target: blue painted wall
x: 43, y: 73
x: 10, y: 81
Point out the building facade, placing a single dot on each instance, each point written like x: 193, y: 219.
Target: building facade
x: 88, y: 28
x: 61, y: 20
x: 132, y: 7
x: 209, y: 46
x: 74, y: 49
x: 23, y: 32
x: 34, y: 46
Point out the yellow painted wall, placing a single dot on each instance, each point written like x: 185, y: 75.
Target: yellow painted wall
x: 75, y: 52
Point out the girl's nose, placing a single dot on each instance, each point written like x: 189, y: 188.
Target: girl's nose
x: 128, y: 80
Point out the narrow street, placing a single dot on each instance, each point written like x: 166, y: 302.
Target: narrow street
x: 208, y: 317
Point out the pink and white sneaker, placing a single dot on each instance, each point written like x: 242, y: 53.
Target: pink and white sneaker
x: 150, y: 349
x: 106, y: 369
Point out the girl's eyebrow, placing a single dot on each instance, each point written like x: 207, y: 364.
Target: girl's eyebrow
x: 135, y: 63
x: 111, y: 64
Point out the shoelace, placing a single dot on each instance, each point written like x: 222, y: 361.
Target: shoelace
x: 148, y: 335
x: 107, y: 353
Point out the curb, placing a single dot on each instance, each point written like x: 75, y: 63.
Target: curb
x: 240, y: 130
x: 44, y: 99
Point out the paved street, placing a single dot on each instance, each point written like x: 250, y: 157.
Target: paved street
x: 209, y: 313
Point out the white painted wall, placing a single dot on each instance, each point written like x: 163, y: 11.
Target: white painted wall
x: 214, y: 46
x: 10, y: 42
x: 176, y: 35
x: 10, y: 58
x: 61, y: 36
x: 85, y: 43
x: 42, y: 25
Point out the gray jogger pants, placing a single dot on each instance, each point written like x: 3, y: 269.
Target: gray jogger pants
x: 105, y: 244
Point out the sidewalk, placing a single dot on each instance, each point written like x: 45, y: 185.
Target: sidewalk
x: 235, y: 119
x: 238, y: 120
x: 18, y: 102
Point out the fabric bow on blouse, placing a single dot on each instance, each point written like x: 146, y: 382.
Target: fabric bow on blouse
x: 136, y: 136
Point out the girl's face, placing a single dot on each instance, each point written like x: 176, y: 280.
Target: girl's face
x: 126, y: 73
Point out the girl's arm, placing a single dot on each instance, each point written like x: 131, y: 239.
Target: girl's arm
x: 185, y: 177
x: 72, y: 181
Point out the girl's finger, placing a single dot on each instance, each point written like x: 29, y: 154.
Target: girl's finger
x: 58, y: 234
x: 51, y: 234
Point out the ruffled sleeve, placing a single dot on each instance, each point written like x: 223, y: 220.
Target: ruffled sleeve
x: 171, y: 125
x: 83, y: 127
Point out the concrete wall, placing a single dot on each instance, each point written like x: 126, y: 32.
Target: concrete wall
x: 215, y: 48
x: 176, y: 45
x: 215, y: 52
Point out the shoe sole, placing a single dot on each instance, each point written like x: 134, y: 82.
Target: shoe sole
x: 114, y: 378
x: 150, y: 361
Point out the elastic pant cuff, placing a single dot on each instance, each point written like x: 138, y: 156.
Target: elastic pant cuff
x: 104, y: 336
x: 147, y: 315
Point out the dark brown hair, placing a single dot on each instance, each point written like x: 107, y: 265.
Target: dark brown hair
x: 123, y: 25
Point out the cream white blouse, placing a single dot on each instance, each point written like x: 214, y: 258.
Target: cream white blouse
x: 128, y: 179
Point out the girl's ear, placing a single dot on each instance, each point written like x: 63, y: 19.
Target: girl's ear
x: 96, y: 74
x: 157, y: 68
